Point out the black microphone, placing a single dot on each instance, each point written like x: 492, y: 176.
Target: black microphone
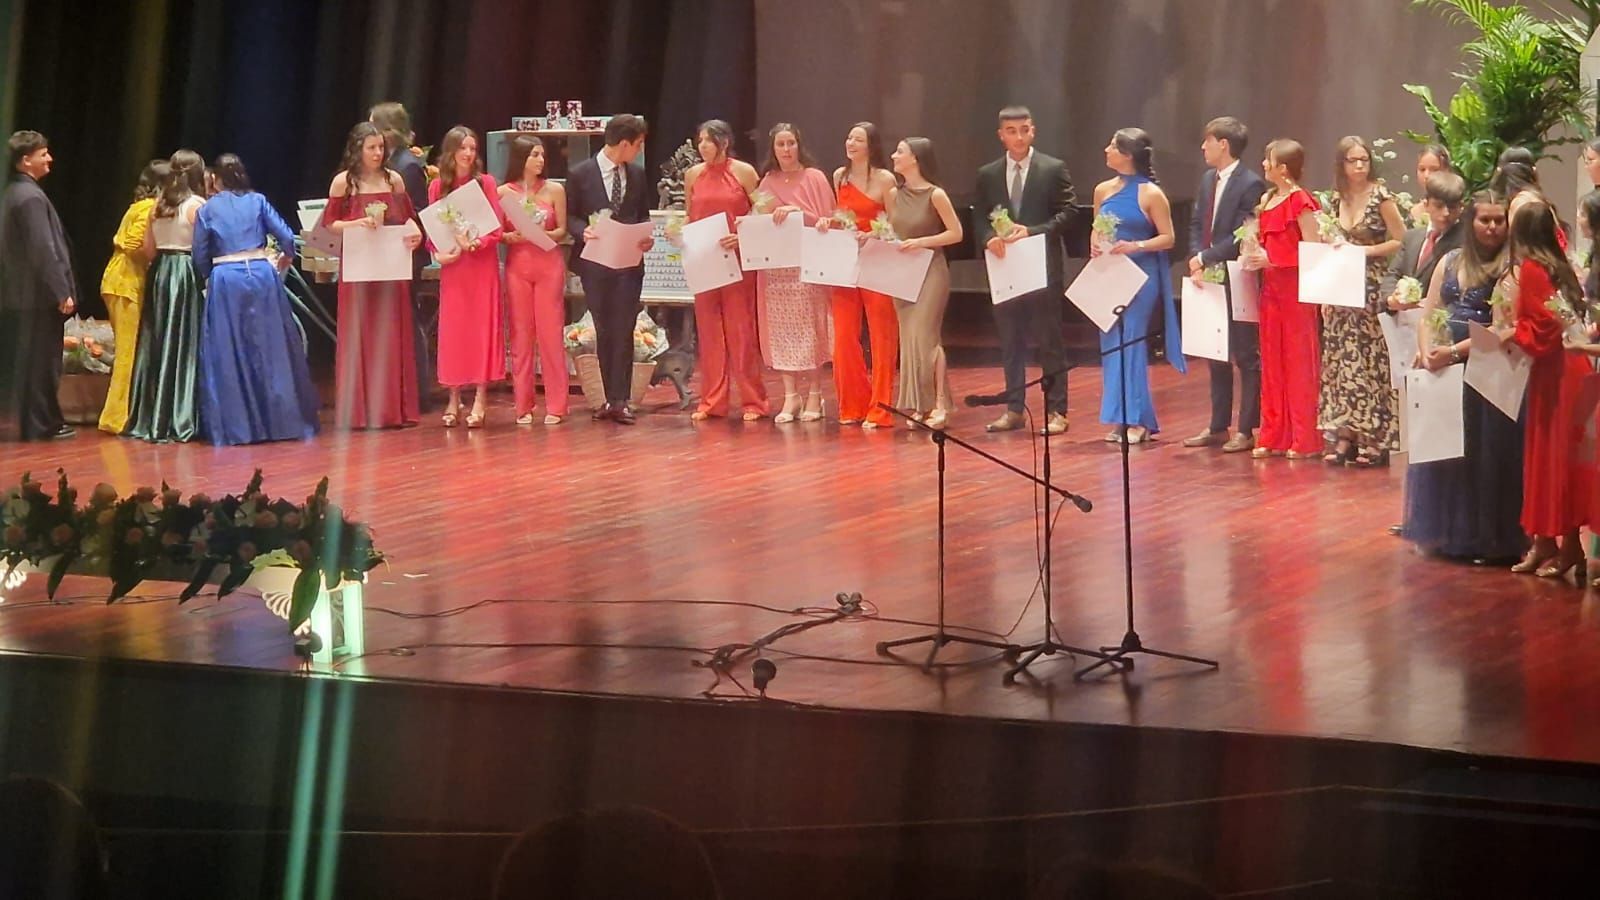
x: 987, y: 399
x: 1082, y: 503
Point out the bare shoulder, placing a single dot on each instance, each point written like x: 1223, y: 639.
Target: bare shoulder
x: 885, y: 178
x: 340, y: 181
x: 1104, y: 188
x: 396, y: 183
x: 557, y: 189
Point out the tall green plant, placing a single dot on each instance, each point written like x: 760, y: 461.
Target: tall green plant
x: 1523, y: 87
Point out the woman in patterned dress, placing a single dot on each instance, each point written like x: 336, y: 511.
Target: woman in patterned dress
x: 1358, y: 401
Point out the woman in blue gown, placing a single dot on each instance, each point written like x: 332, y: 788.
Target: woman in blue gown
x: 254, y: 382
x: 1144, y: 234
x: 1469, y: 507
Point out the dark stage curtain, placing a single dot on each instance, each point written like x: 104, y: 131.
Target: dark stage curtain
x: 280, y: 82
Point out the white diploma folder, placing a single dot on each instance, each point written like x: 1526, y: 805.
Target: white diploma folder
x: 1205, y: 320
x: 1435, y: 429
x: 521, y: 221
x: 764, y: 244
x: 707, y: 265
x: 1498, y: 370
x: 887, y: 269
x: 829, y: 257
x: 324, y: 240
x: 377, y: 254
x: 1400, y: 335
x: 1246, y: 287
x: 1109, y: 281
x: 1023, y: 270
x: 477, y: 216
x: 1333, y: 275
x: 616, y: 246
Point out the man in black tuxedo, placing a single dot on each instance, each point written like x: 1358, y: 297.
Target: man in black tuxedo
x: 1037, y: 190
x: 1229, y: 192
x: 36, y: 290
x: 1422, y: 248
x: 612, y: 180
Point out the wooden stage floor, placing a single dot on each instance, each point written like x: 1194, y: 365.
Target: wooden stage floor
x: 617, y: 539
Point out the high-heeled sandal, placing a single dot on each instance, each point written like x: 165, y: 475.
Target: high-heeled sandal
x: 1557, y: 568
x: 937, y: 419
x: 699, y: 415
x: 786, y: 415
x: 552, y: 419
x: 1364, y: 459
x: 1343, y: 452
x: 753, y: 416
x: 808, y: 414
x: 475, y: 418
x: 1139, y: 434
x: 1532, y: 563
x: 451, y: 417
x: 525, y: 419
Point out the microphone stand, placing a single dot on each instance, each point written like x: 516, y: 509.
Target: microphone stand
x: 1120, y: 656
x: 939, y: 637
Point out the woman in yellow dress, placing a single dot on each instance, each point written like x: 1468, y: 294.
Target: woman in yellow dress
x: 122, y: 288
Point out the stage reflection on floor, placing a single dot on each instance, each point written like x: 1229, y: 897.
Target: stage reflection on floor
x: 617, y: 557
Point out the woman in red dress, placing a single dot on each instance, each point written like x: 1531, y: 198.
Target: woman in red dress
x: 1290, y: 350
x: 1557, y: 464
x: 863, y: 185
x: 536, y: 283
x: 376, y: 380
x: 472, y: 350
x: 725, y: 318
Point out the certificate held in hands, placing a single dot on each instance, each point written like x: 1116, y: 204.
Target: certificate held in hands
x: 829, y: 257
x: 764, y: 244
x: 524, y: 222
x: 1205, y: 320
x: 707, y: 265
x: 1109, y: 282
x: 1333, y: 275
x: 614, y: 245
x: 1498, y: 370
x: 464, y: 211
x: 1435, y: 421
x: 888, y: 269
x: 1022, y: 270
x: 377, y: 254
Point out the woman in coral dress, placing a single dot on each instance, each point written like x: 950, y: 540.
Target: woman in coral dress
x: 375, y: 366
x: 536, y: 283
x: 863, y: 186
x: 1290, y: 355
x: 471, y: 345
x: 122, y: 289
x: 793, y: 315
x: 1558, y: 452
x: 725, y: 318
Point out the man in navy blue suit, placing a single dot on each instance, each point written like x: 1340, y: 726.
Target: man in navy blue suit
x: 1229, y: 192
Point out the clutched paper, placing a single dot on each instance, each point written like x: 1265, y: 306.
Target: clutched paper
x: 1435, y: 428
x: 615, y: 245
x: 829, y: 257
x: 377, y: 254
x: 524, y: 222
x: 1333, y: 275
x: 707, y: 265
x: 1246, y: 287
x: 1498, y: 370
x: 464, y: 211
x: 1205, y: 320
x: 764, y: 244
x: 1108, y: 282
x: 888, y: 269
x: 324, y: 240
x: 1400, y: 336
x: 1023, y: 270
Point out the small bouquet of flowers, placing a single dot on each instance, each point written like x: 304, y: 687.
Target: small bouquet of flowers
x: 87, y: 346
x: 530, y: 205
x: 376, y: 211
x: 672, y: 229
x: 882, y: 230
x: 595, y: 217
x: 763, y: 203
x: 1000, y: 220
x: 844, y: 218
x: 1248, y: 236
x: 1410, y: 291
x: 1437, y: 327
x: 1214, y: 274
x: 458, y: 223
x: 649, y: 339
x: 578, y: 337
x: 1104, y: 230
x: 1327, y: 221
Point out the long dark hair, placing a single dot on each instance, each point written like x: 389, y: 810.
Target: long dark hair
x: 721, y: 134
x: 1439, y: 152
x: 1512, y: 178
x: 517, y: 160
x: 1136, y: 144
x: 770, y: 164
x: 352, y: 156
x: 1589, y: 212
x: 187, y: 179
x: 1533, y: 237
x: 231, y: 175
x: 1479, y: 265
x: 155, y: 174
x: 877, y: 157
x: 453, y: 139
x: 922, y: 150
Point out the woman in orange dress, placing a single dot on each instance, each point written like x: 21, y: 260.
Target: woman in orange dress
x: 863, y: 185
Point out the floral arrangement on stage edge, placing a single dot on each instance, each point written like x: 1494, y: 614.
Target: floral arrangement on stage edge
x: 87, y: 346
x: 1410, y: 291
x: 649, y: 338
x: 128, y: 537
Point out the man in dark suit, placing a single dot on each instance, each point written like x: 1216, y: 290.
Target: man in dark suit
x: 1229, y: 192
x: 612, y: 180
x: 1421, y: 248
x: 1037, y: 191
x: 36, y: 290
x: 394, y: 121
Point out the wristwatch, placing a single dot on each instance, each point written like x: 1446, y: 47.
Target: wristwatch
x: 1455, y: 353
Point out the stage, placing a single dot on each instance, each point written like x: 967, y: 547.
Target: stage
x: 613, y: 558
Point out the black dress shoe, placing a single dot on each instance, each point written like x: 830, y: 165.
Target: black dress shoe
x: 603, y: 413
x: 622, y: 415
x: 64, y: 431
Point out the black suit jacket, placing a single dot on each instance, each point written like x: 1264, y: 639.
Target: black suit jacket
x: 35, y: 265
x: 1049, y: 205
x: 413, y: 174
x: 1237, y: 204
x: 587, y: 194
x: 1410, y: 261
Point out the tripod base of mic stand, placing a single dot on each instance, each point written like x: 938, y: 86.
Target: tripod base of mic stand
x: 1049, y: 647
x: 938, y: 639
x: 1120, y: 656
